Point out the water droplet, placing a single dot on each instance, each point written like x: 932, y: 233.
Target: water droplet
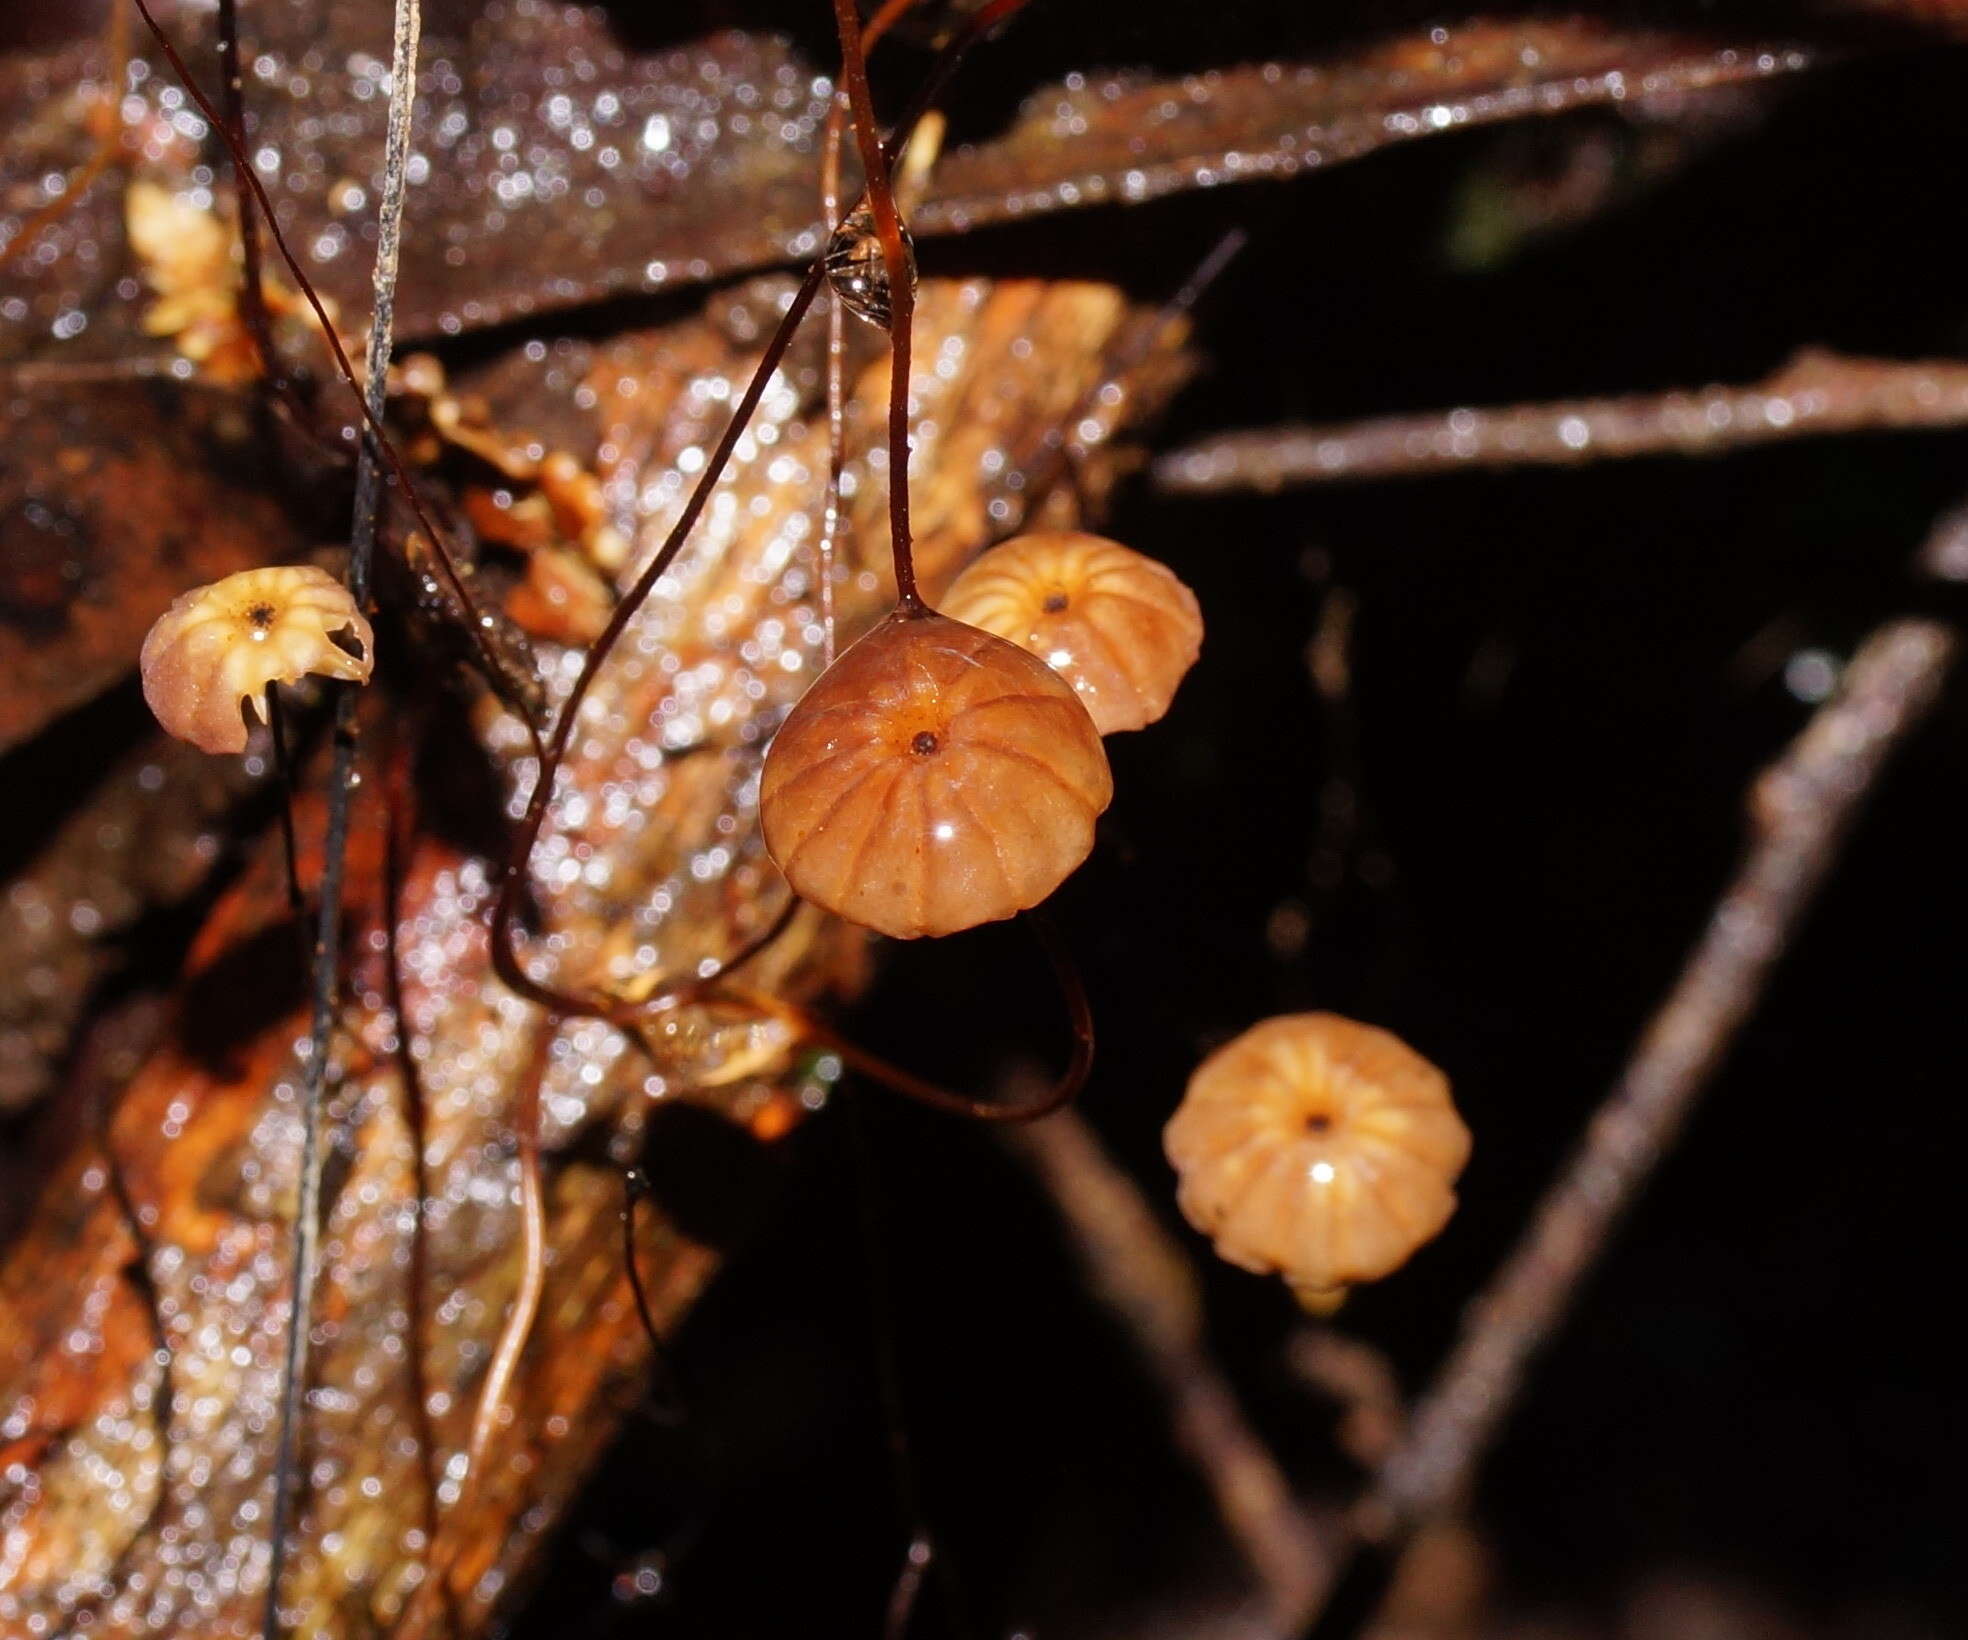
x: 856, y: 270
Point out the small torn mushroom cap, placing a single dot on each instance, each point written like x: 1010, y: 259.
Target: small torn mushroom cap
x: 215, y: 650
x: 1117, y: 626
x: 934, y: 778
x: 1319, y: 1148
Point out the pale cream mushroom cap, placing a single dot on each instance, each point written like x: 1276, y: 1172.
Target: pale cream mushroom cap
x: 1118, y: 626
x: 1319, y: 1148
x: 215, y: 650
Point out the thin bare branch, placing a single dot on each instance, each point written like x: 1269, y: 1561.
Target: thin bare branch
x: 1135, y: 1267
x: 326, y: 979
x: 1360, y: 1379
x: 1817, y: 393
x: 1800, y: 807
x: 1123, y: 140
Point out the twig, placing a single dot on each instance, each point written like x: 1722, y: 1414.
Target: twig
x: 903, y: 1596
x: 1801, y: 807
x: 1816, y: 394
x: 327, y: 954
x: 398, y: 848
x: 1361, y: 1380
x: 1136, y: 1268
x: 518, y: 1328
x: 515, y: 1332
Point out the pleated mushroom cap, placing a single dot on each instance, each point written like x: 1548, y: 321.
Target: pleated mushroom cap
x: 217, y: 648
x: 934, y: 778
x: 1319, y: 1148
x: 1120, y: 628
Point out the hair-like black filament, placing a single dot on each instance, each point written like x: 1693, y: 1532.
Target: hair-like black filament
x: 1079, y: 1014
x: 669, y: 1410
x: 552, y: 749
x: 1055, y: 455
x: 252, y: 292
x: 372, y: 420
x: 985, y: 19
x: 868, y: 1198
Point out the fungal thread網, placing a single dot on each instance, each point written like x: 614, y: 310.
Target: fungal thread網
x: 1319, y: 1148
x: 1117, y: 626
x: 934, y: 778
x: 211, y: 656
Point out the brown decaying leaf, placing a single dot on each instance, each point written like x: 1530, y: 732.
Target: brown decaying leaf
x: 555, y: 168
x: 114, y: 498
x: 146, y: 836
x: 149, y: 1509
x: 1120, y: 140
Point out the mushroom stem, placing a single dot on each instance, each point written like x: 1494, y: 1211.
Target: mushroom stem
x: 901, y: 297
x: 283, y: 773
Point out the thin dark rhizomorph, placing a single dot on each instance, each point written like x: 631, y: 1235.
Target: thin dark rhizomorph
x: 252, y: 289
x: 670, y: 1408
x: 922, y: 1551
x: 283, y: 775
x: 505, y: 952
x: 900, y: 266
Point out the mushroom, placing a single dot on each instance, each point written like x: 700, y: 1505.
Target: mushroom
x: 934, y: 778
x: 1119, y: 627
x: 211, y: 656
x: 1319, y: 1148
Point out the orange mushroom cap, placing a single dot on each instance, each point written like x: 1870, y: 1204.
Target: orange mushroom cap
x: 1120, y: 628
x: 218, y: 647
x: 1319, y: 1148
x: 934, y: 778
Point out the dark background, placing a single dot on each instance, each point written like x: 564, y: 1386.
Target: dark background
x: 1562, y: 683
